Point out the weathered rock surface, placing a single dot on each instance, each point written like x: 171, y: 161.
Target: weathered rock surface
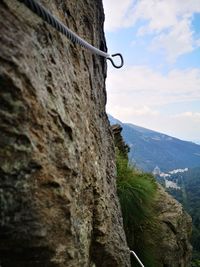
x: 166, y: 237
x: 57, y: 170
x: 118, y: 140
x: 172, y: 242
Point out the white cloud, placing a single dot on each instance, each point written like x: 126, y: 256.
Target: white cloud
x: 142, y: 85
x: 130, y: 112
x: 143, y: 111
x: 195, y: 116
x: 118, y: 14
x: 159, y: 14
x: 188, y: 125
x: 169, y: 21
x: 138, y: 94
x: 178, y: 41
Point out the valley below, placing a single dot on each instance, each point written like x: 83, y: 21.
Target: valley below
x: 176, y: 166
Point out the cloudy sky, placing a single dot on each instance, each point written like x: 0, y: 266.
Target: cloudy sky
x: 159, y: 86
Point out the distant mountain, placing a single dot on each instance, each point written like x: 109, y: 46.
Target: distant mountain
x: 196, y: 142
x: 149, y: 149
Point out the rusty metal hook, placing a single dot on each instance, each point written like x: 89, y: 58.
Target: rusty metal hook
x: 114, y: 65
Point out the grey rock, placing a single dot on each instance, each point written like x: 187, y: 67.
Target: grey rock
x: 170, y: 236
x: 176, y: 229
x: 57, y: 171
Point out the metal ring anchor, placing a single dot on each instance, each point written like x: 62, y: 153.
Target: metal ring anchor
x: 114, y: 65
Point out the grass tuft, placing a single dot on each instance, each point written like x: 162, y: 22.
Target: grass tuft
x: 136, y: 191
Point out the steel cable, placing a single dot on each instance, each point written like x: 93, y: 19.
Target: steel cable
x: 42, y: 12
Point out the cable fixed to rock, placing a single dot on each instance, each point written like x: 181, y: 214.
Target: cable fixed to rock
x: 42, y: 12
x: 135, y: 255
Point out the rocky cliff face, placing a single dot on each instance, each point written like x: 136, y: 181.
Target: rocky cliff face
x: 57, y: 170
x: 118, y: 140
x: 172, y: 243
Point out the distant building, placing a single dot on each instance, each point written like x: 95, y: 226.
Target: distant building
x: 170, y: 184
x: 156, y: 171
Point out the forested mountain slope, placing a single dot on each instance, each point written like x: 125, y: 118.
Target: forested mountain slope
x: 149, y: 149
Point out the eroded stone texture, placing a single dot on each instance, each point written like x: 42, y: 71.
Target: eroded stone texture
x: 118, y: 140
x: 172, y: 243
x: 168, y: 235
x: 57, y: 171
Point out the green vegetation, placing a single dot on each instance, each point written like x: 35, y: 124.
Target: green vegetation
x: 196, y: 263
x: 136, y: 192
